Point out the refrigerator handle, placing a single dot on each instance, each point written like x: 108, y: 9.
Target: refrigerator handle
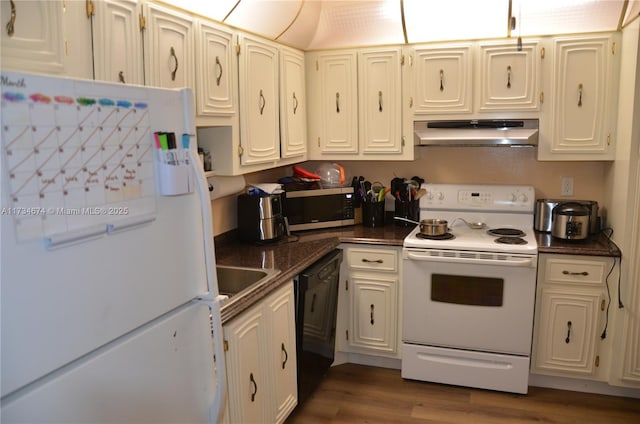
x: 213, y: 302
x: 212, y: 298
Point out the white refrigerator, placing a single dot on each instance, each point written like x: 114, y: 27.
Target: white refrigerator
x: 109, y: 302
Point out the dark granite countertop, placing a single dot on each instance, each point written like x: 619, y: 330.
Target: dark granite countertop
x: 293, y: 255
x: 594, y: 245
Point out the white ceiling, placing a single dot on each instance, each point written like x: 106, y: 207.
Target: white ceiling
x: 322, y: 24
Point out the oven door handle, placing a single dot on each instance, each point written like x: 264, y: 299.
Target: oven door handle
x: 519, y: 262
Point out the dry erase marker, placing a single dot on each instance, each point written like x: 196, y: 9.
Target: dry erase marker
x: 156, y: 138
x: 171, y: 143
x: 185, y: 148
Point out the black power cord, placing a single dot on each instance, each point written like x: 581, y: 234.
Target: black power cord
x: 620, y: 304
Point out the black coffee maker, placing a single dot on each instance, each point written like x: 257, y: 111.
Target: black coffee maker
x: 260, y: 218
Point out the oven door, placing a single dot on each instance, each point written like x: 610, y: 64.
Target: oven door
x: 467, y: 300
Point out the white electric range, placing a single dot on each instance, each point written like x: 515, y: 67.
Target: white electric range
x: 468, y: 296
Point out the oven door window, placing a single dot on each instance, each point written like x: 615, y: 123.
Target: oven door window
x: 466, y: 290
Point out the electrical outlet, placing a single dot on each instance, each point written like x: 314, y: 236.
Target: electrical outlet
x: 566, y: 186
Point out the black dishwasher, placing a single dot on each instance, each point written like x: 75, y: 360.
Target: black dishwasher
x: 316, y: 302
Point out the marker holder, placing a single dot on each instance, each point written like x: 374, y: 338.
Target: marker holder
x: 174, y: 180
x: 175, y: 174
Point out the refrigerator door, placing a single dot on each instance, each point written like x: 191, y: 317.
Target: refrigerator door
x: 163, y: 372
x: 68, y: 143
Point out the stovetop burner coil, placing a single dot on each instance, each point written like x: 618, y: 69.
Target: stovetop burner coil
x: 506, y: 232
x: 445, y: 236
x: 510, y: 240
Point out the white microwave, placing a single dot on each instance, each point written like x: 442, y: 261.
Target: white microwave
x: 319, y: 208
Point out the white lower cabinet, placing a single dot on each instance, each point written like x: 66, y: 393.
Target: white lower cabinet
x: 571, y: 317
x: 368, y: 311
x: 261, y: 360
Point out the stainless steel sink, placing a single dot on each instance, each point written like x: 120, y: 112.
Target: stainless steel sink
x: 233, y: 280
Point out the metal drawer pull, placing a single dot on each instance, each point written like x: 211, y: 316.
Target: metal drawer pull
x: 121, y: 77
x: 372, y: 314
x: 568, y: 339
x: 313, y: 303
x: 580, y: 97
x: 12, y: 20
x: 262, y: 103
x: 509, y: 76
x: 255, y: 387
x: 295, y: 103
x: 219, y: 67
x: 376, y: 261
x: 337, y: 102
x: 172, y: 52
x: 286, y: 356
x: 441, y: 80
x: 585, y: 273
x: 379, y: 101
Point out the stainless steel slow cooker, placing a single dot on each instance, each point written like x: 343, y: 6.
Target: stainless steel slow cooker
x: 543, y: 217
x: 570, y: 221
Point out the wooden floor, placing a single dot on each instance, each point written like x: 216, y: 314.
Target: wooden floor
x: 360, y: 394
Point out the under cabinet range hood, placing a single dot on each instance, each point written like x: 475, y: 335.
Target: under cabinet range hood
x: 477, y: 132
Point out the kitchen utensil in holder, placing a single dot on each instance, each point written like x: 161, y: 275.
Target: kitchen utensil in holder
x: 373, y: 214
x: 408, y: 209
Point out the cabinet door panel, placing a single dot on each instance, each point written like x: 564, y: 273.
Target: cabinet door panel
x: 580, y: 94
x: 248, y: 386
x: 339, y: 104
x: 259, y: 102
x: 214, y: 63
x: 170, y: 48
x: 374, y: 314
x: 508, y: 78
x: 380, y: 89
x: 36, y: 44
x: 293, y: 112
x: 283, y: 352
x: 442, y: 80
x: 567, y: 334
x: 118, y: 42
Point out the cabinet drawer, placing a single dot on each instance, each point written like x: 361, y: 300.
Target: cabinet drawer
x: 373, y: 259
x: 573, y: 271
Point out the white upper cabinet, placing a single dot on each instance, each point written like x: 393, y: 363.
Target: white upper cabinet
x: 44, y: 36
x: 442, y: 79
x: 293, y: 110
x: 380, y: 97
x: 583, y: 83
x: 355, y: 105
x: 508, y: 78
x: 259, y: 101
x: 269, y: 129
x: 332, y: 84
x: 118, y: 42
x: 216, y: 73
x: 169, y: 47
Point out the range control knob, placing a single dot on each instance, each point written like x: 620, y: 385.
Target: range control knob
x: 523, y: 198
x: 512, y: 197
x: 429, y: 195
x: 440, y: 195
